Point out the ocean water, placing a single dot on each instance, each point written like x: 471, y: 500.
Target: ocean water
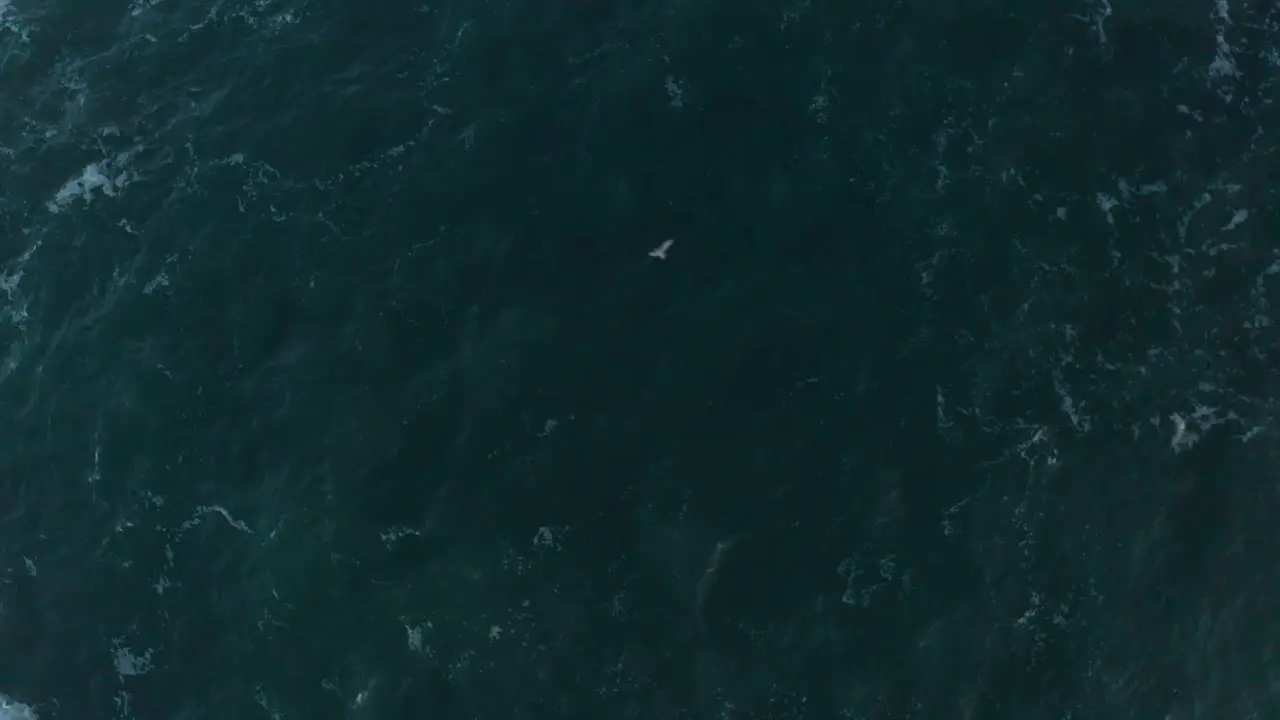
x: 688, y: 359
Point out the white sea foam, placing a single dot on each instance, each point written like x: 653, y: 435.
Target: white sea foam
x: 107, y: 177
x: 12, y: 709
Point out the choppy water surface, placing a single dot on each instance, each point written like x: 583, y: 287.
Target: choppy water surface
x: 337, y: 378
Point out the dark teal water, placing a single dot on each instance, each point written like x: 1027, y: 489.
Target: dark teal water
x: 338, y: 380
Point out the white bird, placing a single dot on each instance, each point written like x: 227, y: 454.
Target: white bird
x: 660, y: 252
